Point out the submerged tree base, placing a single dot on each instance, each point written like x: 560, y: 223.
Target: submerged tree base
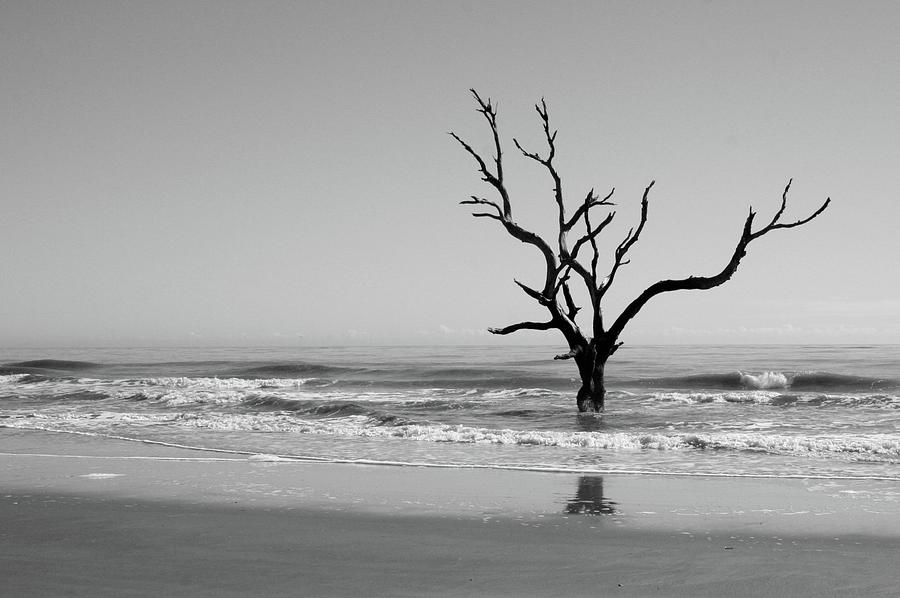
x: 591, y: 399
x: 591, y: 362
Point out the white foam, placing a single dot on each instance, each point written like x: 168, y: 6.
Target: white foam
x: 514, y: 393
x: 264, y: 458
x: 218, y: 383
x: 693, y: 398
x: 765, y: 380
x: 306, y: 459
x: 870, y: 447
x: 879, y: 447
x: 875, y: 447
x: 181, y: 392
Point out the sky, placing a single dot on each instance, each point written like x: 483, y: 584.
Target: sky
x: 280, y: 173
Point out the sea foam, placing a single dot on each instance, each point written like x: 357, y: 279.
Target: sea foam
x: 882, y: 447
x: 218, y: 383
x: 765, y: 380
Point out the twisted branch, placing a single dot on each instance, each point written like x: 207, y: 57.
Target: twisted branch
x: 708, y: 282
x: 548, y: 164
x: 590, y: 201
x: 630, y: 239
x: 523, y: 326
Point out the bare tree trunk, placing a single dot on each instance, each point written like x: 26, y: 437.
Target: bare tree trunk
x: 591, y: 366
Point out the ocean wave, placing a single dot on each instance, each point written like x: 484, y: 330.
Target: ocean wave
x: 311, y: 407
x: 766, y: 380
x: 527, y: 413
x: 290, y: 370
x: 699, y: 398
x: 282, y: 393
x: 322, y: 404
x: 875, y: 447
x: 419, y: 389
x: 518, y: 393
x: 780, y: 399
x: 54, y: 364
x: 76, y: 420
x: 215, y: 383
x: 841, y: 382
x: 381, y: 409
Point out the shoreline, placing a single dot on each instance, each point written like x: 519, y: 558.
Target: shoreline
x: 236, y: 455
x: 88, y: 517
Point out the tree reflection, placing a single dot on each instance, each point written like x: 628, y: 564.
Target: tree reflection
x: 589, y: 498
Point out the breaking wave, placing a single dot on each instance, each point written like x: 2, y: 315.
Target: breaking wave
x: 765, y: 380
x: 878, y: 448
x: 881, y: 446
x: 218, y: 383
x: 780, y: 399
x: 822, y: 381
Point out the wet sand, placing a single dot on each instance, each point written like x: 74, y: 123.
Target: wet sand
x: 81, y: 517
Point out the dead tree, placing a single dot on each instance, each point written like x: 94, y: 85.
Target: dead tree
x: 565, y: 259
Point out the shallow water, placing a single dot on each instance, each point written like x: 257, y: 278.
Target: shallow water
x: 783, y: 411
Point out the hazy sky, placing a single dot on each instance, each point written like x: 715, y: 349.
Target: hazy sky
x: 280, y: 172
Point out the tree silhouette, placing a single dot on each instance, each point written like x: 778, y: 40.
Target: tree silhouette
x: 564, y: 258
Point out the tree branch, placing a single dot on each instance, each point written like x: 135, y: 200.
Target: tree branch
x: 597, y: 320
x: 489, y: 111
x: 496, y: 180
x: 483, y: 202
x: 523, y: 326
x: 630, y: 239
x: 572, y: 309
x: 579, y: 268
x: 708, y: 282
x: 592, y: 234
x: 572, y: 353
x: 775, y: 224
x: 536, y: 295
x: 548, y: 164
x: 486, y: 215
x: 531, y: 238
x: 590, y: 201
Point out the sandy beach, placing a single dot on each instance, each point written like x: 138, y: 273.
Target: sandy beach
x: 449, y: 299
x: 84, y: 518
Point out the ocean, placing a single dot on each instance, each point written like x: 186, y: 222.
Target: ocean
x: 825, y: 412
